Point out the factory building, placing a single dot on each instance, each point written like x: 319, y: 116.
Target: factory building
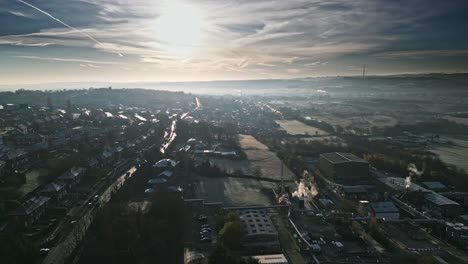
x: 260, y: 233
x: 386, y: 210
x: 434, y: 203
x: 343, y: 167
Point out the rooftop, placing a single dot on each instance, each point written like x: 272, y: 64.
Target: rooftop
x: 434, y: 185
x: 31, y: 205
x: 384, y: 207
x: 257, y: 222
x: 165, y: 163
x: 438, y: 199
x: 271, y: 259
x: 339, y: 157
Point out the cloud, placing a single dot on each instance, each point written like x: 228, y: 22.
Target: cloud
x: 315, y: 63
x: 66, y: 60
x: 243, y: 36
x: 18, y: 13
x: 63, y: 23
x: 23, y: 43
x: 294, y: 70
x: 89, y: 65
x: 421, y: 54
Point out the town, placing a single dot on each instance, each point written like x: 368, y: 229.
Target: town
x: 134, y: 176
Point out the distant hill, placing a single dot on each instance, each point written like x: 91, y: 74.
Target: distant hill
x: 437, y: 82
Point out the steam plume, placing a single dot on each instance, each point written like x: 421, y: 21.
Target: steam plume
x: 303, y: 191
x: 413, y: 171
x: 65, y: 24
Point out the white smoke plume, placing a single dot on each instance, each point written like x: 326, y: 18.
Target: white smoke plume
x: 65, y: 24
x: 304, y: 191
x: 301, y: 190
x: 283, y: 199
x: 413, y: 171
x: 408, y: 182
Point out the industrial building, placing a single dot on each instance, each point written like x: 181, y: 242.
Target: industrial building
x: 343, y: 167
x: 435, y: 203
x: 271, y: 259
x: 260, y: 233
x: 386, y: 210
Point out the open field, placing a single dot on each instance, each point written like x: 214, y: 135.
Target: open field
x: 260, y: 161
x: 234, y: 191
x: 454, y: 154
x: 362, y: 122
x: 294, y: 127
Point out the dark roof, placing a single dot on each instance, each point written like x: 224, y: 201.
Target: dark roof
x: 157, y: 181
x: 439, y: 200
x: 355, y: 189
x: 31, y: 205
x: 165, y: 163
x: 434, y: 185
x: 338, y: 157
x: 72, y: 173
x: 53, y: 187
x: 384, y: 207
x: 166, y: 174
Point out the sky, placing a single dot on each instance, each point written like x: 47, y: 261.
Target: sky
x: 48, y: 41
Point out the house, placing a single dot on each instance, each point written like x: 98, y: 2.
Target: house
x: 72, y: 177
x: 386, y: 210
x: 20, y: 137
x: 29, y: 212
x: 15, y: 159
x: 54, y: 190
x: 167, y: 174
x: 165, y: 164
x: 343, y: 167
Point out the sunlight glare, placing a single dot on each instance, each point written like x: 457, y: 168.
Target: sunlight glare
x: 179, y: 28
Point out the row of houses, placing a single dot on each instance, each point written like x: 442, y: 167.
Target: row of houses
x: 51, y: 194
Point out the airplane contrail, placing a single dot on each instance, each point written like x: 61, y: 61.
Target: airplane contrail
x: 65, y: 24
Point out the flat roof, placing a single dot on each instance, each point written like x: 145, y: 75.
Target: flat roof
x: 271, y: 259
x: 339, y: 157
x: 384, y: 207
x: 399, y: 184
x: 257, y: 222
x: 438, y: 199
x: 434, y: 185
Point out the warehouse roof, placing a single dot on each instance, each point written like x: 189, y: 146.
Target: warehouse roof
x: 434, y: 185
x: 438, y: 199
x: 257, y: 222
x: 384, y: 207
x: 339, y: 157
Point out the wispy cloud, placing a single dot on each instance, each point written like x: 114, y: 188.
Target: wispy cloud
x: 23, y: 43
x: 63, y: 23
x: 421, y: 54
x: 89, y: 65
x: 67, y: 60
x: 18, y: 13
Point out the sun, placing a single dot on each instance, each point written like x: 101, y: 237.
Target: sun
x: 178, y: 28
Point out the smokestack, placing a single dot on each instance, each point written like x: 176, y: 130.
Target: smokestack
x: 408, y: 183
